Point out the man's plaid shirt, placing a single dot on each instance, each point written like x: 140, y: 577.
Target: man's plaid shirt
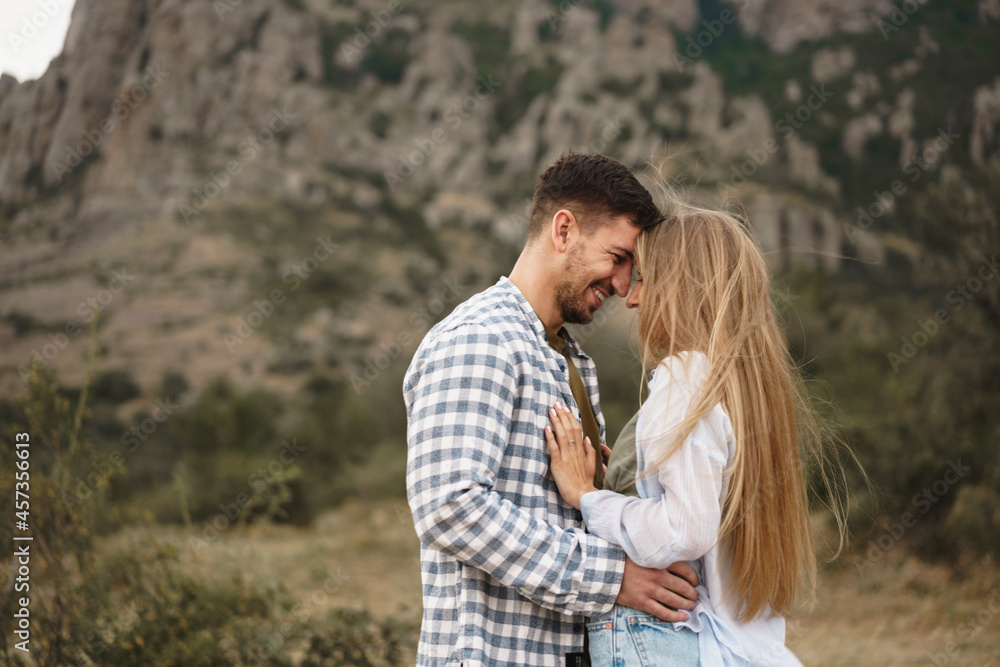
x: 508, y: 571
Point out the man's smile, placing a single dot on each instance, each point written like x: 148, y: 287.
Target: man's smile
x: 600, y: 294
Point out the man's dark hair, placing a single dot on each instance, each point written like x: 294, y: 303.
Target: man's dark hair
x: 596, y: 189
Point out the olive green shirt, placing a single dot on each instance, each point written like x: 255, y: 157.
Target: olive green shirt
x: 623, y: 465
x: 587, y: 419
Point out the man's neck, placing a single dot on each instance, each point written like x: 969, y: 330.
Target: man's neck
x: 538, y: 288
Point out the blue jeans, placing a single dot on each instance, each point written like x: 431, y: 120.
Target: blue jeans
x: 626, y: 637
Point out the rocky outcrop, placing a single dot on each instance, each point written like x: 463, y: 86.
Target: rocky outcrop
x: 901, y: 123
x: 792, y: 230
x: 857, y: 133
x: 56, y: 119
x: 784, y: 24
x: 829, y: 64
x: 864, y: 85
x: 984, y: 144
x: 193, y: 136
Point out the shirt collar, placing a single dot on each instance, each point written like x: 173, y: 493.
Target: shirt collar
x: 562, y: 338
x: 556, y: 341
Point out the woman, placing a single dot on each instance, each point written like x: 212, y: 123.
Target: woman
x: 713, y: 463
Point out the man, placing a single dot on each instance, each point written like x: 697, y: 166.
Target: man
x: 509, y: 572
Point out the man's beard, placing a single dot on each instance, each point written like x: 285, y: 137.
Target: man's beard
x: 572, y: 297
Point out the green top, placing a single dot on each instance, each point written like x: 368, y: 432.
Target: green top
x: 587, y: 419
x: 624, y: 462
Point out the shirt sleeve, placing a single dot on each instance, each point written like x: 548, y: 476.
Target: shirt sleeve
x: 683, y: 523
x: 461, y: 396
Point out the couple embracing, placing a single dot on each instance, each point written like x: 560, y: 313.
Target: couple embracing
x: 689, y: 542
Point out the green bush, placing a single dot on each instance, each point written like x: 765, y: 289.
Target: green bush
x: 225, y: 419
x: 129, y: 608
x: 490, y: 44
x: 224, y: 449
x: 115, y: 386
x: 355, y: 639
x: 23, y: 323
x: 915, y: 410
x: 154, y: 614
x: 250, y: 455
x: 61, y: 530
x: 388, y: 56
x: 174, y: 385
x: 137, y: 605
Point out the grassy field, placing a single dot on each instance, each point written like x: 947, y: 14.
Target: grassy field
x: 897, y: 611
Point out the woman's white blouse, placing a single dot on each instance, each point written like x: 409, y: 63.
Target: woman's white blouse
x: 679, y: 512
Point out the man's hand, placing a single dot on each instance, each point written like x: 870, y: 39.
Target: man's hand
x: 606, y: 456
x: 655, y: 591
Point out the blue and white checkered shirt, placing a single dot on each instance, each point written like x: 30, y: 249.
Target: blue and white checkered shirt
x: 507, y: 568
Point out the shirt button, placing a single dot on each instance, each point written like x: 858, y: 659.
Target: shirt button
x: 675, y: 548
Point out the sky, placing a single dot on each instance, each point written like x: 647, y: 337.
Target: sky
x: 32, y: 33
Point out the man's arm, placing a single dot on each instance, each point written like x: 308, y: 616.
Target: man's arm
x: 461, y: 397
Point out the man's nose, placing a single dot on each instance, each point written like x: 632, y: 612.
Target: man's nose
x: 621, y: 281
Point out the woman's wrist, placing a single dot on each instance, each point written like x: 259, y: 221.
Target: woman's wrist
x: 584, y: 490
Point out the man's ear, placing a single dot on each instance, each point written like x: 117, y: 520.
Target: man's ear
x: 563, y: 229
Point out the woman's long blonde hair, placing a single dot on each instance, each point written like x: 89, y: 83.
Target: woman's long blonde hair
x: 706, y: 288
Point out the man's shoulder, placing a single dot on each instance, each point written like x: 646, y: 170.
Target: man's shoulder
x: 493, y: 315
x: 490, y: 330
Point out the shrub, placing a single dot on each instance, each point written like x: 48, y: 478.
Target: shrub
x: 61, y: 530
x: 387, y: 57
x: 115, y: 386
x: 174, y: 385
x: 915, y: 411
x: 171, y: 618
x: 137, y: 606
x: 355, y: 639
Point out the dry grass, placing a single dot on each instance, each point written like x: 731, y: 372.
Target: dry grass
x: 898, y: 611
x: 902, y: 611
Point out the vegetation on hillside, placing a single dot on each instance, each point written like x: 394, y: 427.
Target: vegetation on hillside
x: 138, y: 605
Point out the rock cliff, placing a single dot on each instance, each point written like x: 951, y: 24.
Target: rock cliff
x: 262, y: 189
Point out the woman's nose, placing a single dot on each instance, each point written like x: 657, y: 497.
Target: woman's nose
x: 633, y: 297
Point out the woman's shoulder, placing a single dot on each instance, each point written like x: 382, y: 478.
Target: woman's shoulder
x: 674, y: 387
x: 685, y: 370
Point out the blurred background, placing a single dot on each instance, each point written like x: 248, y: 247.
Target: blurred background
x: 226, y: 225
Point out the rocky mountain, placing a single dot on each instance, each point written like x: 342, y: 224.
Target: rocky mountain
x: 266, y: 189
